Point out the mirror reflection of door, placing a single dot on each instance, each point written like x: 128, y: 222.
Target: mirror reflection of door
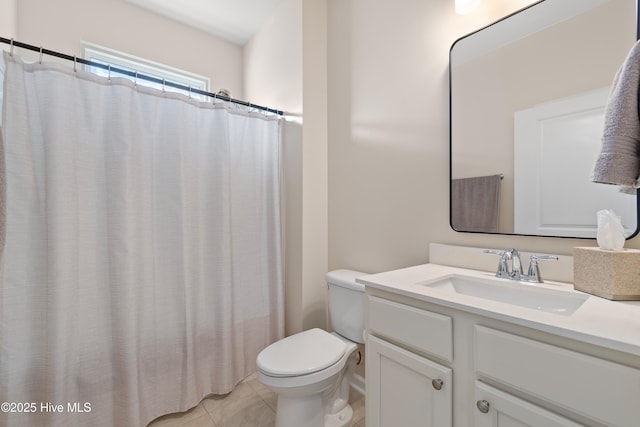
x: 554, y: 147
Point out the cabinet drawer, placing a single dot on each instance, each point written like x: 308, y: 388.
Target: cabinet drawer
x: 421, y: 329
x: 595, y: 388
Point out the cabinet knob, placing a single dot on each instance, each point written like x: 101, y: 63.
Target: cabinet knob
x: 437, y: 384
x: 483, y: 406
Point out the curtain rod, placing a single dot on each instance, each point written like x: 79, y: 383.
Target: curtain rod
x: 135, y: 74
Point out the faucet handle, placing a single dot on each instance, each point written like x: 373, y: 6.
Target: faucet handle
x: 503, y: 269
x: 534, y: 270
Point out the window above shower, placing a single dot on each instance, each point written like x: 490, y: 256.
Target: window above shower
x: 134, y: 64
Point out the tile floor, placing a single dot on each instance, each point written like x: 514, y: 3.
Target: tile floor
x: 250, y: 404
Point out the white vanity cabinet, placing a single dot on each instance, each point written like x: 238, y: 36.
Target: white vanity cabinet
x: 405, y: 388
x: 495, y: 373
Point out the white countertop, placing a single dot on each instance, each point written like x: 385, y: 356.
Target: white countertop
x: 611, y: 324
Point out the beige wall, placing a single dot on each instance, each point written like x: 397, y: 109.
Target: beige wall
x: 388, y: 133
x: 285, y: 65
x: 273, y: 60
x: 273, y: 75
x: 314, y: 163
x: 8, y: 18
x: 62, y: 24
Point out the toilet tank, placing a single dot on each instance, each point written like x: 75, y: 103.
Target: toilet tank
x: 346, y: 303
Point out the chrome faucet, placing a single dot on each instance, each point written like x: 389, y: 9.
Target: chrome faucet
x: 510, y: 265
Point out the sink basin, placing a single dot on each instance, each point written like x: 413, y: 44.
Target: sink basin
x: 512, y: 292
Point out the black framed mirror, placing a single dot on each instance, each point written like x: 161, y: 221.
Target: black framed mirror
x: 527, y: 98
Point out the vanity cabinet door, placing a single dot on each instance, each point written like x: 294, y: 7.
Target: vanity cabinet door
x: 495, y: 408
x: 405, y: 389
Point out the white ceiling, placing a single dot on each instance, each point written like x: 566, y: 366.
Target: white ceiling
x: 233, y: 20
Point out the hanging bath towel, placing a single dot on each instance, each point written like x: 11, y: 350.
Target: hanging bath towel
x: 475, y: 203
x: 619, y: 159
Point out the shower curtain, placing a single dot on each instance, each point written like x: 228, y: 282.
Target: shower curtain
x: 141, y: 248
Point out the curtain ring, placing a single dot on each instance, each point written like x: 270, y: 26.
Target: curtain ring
x: 163, y: 82
x: 75, y: 63
x: 189, y: 92
x: 41, y: 54
x: 109, y: 72
x: 135, y: 81
x: 11, y: 51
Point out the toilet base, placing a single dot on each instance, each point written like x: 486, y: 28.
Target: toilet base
x: 340, y: 419
x: 291, y: 410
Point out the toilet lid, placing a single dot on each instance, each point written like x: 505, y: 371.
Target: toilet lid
x: 300, y: 354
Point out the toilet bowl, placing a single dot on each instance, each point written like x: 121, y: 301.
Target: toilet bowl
x: 310, y: 371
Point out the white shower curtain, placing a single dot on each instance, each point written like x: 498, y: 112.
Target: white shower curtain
x: 141, y: 262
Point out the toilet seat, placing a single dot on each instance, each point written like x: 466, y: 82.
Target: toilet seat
x: 301, y: 354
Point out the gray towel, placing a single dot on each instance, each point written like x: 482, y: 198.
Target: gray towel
x: 3, y: 194
x: 475, y: 203
x: 619, y: 159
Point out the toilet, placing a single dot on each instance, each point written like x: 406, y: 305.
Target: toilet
x: 310, y: 371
